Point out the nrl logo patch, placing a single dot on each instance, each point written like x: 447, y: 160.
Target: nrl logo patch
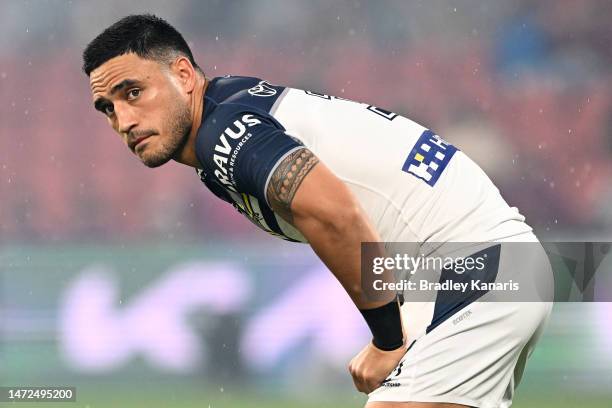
x: 262, y: 89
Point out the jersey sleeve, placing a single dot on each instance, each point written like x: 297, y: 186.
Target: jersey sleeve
x: 247, y: 151
x: 262, y: 153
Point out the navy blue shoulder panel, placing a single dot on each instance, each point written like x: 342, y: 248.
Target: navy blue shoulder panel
x: 238, y: 146
x: 250, y: 92
x: 253, y: 92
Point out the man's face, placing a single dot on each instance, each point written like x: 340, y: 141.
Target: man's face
x: 143, y: 102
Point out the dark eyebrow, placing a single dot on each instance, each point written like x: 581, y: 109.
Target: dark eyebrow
x: 102, y: 103
x: 123, y: 84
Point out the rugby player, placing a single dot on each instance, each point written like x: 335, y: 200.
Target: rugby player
x: 333, y: 173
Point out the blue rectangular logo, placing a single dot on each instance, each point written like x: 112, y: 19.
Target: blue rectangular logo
x: 429, y: 157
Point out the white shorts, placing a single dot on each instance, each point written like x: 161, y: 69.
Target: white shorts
x: 476, y: 357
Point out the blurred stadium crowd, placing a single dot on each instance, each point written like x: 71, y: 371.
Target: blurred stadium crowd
x: 523, y: 87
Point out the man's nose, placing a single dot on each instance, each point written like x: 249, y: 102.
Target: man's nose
x: 126, y: 118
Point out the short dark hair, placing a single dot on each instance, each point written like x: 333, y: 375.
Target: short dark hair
x: 146, y: 35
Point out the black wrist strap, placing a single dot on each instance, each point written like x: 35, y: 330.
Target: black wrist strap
x: 386, y: 325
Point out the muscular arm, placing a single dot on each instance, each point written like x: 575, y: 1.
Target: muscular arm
x: 308, y: 195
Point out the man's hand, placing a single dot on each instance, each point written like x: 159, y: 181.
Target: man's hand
x: 372, y: 365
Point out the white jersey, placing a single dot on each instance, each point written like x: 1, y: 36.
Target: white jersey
x: 400, y: 172
x: 413, y: 185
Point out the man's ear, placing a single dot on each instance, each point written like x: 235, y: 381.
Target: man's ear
x: 185, y: 73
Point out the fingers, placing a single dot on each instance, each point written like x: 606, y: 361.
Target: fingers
x: 371, y: 366
x: 357, y: 378
x: 364, y: 382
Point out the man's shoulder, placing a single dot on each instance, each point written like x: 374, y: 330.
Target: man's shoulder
x: 230, y: 117
x: 227, y: 127
x: 253, y: 92
x: 222, y: 88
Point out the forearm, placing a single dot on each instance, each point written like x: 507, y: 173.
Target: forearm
x: 328, y: 215
x: 337, y: 242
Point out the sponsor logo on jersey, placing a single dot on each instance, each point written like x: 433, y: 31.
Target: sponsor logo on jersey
x: 429, y: 157
x: 462, y: 317
x: 226, y: 150
x: 388, y: 382
x: 263, y: 89
x: 391, y: 384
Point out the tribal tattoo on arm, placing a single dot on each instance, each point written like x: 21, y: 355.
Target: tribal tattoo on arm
x: 286, y: 180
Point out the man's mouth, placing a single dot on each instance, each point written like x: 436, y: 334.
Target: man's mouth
x: 140, y: 139
x: 134, y: 143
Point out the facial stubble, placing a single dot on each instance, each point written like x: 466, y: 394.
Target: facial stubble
x: 180, y: 122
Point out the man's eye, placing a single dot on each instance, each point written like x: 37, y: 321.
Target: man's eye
x: 133, y: 93
x: 109, y: 110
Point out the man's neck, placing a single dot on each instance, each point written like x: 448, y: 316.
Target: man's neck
x: 188, y: 154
